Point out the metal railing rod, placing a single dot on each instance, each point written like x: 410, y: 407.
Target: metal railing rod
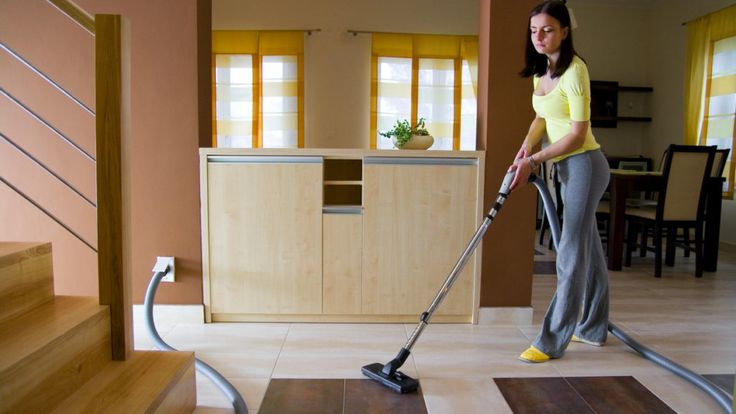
x: 46, y: 77
x: 48, y: 213
x: 47, y: 169
x: 47, y: 124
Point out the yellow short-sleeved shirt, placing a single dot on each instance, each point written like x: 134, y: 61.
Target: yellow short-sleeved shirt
x: 568, y: 101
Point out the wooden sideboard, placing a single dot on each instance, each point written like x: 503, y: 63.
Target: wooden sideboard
x: 331, y: 235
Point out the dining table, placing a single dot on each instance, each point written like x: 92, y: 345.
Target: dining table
x: 624, y: 182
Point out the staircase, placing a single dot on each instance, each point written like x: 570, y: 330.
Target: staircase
x: 55, y: 351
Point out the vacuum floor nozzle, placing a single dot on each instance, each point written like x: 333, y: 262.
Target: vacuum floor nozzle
x: 398, y: 381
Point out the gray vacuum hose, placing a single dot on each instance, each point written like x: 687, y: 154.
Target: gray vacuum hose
x: 724, y: 399
x: 227, y: 388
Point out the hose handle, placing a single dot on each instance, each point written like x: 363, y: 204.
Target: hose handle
x: 506, y: 184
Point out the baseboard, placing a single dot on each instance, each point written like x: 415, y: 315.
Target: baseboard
x: 727, y: 247
x: 505, y: 315
x: 170, y: 314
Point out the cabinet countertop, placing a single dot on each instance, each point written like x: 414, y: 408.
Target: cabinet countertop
x: 339, y: 152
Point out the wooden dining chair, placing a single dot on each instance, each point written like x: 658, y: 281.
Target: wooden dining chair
x: 719, y: 164
x: 679, y: 205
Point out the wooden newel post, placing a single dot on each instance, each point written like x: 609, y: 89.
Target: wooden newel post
x: 113, y: 125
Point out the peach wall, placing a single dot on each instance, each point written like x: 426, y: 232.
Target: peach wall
x: 504, y: 112
x: 164, y: 178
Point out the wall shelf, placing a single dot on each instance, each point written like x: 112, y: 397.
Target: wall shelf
x: 604, y: 103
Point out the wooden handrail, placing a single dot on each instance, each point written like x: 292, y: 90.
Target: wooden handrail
x: 76, y: 13
x: 112, y: 120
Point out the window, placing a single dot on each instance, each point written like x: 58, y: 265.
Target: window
x: 425, y: 76
x: 394, y: 95
x: 258, y: 94
x: 280, y: 102
x: 234, y: 101
x: 710, y: 95
x: 720, y: 103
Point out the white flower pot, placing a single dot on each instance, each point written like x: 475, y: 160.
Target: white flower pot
x: 416, y: 142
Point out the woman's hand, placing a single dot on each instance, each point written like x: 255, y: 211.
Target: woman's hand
x: 524, y: 151
x: 523, y: 169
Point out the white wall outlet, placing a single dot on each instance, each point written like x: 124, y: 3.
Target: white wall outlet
x: 161, y: 263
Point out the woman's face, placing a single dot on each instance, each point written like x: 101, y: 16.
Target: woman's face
x: 547, y: 34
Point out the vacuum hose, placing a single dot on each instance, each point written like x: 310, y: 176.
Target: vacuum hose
x: 724, y: 399
x: 227, y: 388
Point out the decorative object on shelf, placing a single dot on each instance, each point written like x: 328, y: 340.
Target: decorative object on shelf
x: 404, y: 136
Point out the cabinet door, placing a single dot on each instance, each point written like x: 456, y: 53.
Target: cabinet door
x: 419, y: 215
x: 343, y: 246
x: 265, y: 235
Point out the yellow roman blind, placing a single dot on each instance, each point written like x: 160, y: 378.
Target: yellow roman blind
x: 258, y: 88
x: 421, y: 76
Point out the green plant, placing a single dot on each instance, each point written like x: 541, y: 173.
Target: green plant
x: 403, y: 131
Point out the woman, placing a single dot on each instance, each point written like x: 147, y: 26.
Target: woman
x: 561, y: 99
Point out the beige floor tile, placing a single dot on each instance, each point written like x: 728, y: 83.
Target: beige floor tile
x: 211, y: 399
x: 452, y: 396
x: 245, y: 363
x: 303, y: 365
x: 689, y: 320
x: 227, y: 337
x: 679, y: 394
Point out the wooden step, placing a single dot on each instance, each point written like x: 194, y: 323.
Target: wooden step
x: 148, y: 382
x: 50, y: 351
x: 26, y: 277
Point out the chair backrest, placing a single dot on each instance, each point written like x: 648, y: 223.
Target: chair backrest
x: 633, y: 165
x: 685, y: 170
x: 719, y: 162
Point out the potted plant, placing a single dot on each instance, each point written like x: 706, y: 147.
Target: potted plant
x: 404, y: 136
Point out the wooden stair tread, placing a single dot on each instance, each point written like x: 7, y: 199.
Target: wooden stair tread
x: 11, y: 252
x: 139, y: 385
x: 26, y: 278
x: 51, y: 321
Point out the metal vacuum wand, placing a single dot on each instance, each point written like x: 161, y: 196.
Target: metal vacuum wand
x: 387, y: 374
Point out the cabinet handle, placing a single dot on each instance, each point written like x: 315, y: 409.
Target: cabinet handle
x: 262, y: 159
x: 419, y: 161
x: 342, y: 210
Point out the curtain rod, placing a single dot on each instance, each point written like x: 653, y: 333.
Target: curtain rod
x: 357, y: 32
x: 715, y: 11
x: 307, y: 31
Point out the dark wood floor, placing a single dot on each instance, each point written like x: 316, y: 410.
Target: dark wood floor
x: 338, y: 396
x: 568, y: 395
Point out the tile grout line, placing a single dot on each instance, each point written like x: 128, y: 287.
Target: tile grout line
x: 278, y: 356
x: 580, y: 396
x: 344, y: 393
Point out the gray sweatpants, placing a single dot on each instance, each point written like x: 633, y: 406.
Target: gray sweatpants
x: 580, y: 304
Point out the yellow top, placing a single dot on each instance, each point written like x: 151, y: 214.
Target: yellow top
x: 568, y: 101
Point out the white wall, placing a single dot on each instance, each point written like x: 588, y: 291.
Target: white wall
x: 337, y: 64
x: 643, y: 43
x: 613, y: 38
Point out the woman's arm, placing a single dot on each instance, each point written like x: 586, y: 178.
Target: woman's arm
x: 535, y: 134
x: 570, y: 142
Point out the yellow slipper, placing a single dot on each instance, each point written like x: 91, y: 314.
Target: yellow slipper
x: 585, y: 341
x: 533, y: 355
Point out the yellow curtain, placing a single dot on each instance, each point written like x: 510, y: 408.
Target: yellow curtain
x: 701, y: 33
x: 469, y: 52
x: 423, y: 46
x: 259, y: 44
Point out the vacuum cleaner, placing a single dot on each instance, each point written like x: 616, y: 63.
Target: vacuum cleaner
x: 389, y: 376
